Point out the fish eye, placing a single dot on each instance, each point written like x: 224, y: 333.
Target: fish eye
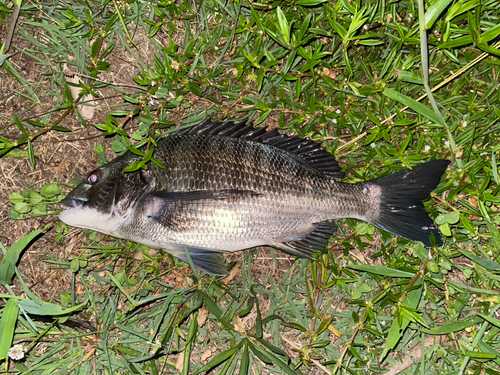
x: 94, y: 177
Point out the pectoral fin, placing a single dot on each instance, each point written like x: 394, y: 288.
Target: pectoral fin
x: 193, y: 196
x: 179, y: 211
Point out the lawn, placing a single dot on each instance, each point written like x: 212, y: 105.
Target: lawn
x: 381, y: 85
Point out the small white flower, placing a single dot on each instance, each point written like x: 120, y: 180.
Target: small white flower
x: 337, y: 111
x: 171, y: 95
x: 17, y: 352
x: 176, y: 66
x: 464, y: 123
x: 334, y: 120
x: 261, y: 32
x: 490, y: 253
x: 156, y: 346
x: 216, y: 48
x: 427, y: 148
x: 153, y: 83
x: 382, y: 322
x: 365, y: 27
x: 373, y: 145
x: 430, y: 255
x: 447, y: 144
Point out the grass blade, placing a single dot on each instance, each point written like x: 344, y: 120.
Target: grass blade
x: 416, y: 106
x: 7, y: 327
x: 380, y: 270
x: 10, y: 259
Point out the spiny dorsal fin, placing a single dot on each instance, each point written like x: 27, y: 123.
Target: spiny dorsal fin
x: 312, y: 153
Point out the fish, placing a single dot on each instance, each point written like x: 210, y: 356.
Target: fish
x: 228, y: 186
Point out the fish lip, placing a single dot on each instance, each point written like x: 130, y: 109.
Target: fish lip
x: 72, y: 202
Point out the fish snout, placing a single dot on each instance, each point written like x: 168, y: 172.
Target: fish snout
x: 72, y: 202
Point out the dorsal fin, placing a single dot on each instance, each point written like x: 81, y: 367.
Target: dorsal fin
x: 312, y: 153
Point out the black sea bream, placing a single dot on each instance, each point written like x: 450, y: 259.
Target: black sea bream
x: 228, y: 186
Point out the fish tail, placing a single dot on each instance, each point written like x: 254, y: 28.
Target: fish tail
x: 401, y: 211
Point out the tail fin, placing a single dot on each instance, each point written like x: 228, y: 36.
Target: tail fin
x: 401, y: 209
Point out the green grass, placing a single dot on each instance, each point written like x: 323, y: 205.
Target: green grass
x: 347, y: 74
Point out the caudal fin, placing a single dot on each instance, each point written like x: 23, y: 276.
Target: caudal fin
x: 401, y: 209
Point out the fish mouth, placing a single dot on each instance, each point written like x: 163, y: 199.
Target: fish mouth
x: 74, y: 209
x: 72, y: 202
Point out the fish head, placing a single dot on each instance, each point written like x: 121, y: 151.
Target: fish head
x: 105, y: 197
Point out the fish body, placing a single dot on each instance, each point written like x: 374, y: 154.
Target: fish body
x: 228, y: 187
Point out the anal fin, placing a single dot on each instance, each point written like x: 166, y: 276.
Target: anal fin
x: 313, y: 242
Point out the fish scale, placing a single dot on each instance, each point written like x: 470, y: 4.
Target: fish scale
x: 228, y: 187
x: 270, y: 172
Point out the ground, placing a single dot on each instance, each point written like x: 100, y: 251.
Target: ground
x: 327, y: 83
x: 61, y: 157
x: 64, y: 156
